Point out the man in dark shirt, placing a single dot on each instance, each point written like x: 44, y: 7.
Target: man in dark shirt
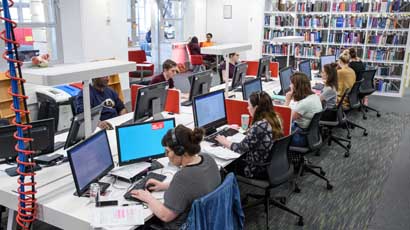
x: 233, y: 61
x: 169, y: 70
x: 100, y: 93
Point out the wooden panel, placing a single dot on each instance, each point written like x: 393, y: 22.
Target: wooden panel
x: 115, y: 84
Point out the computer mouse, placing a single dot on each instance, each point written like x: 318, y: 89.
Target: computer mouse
x: 149, y: 187
x: 170, y: 113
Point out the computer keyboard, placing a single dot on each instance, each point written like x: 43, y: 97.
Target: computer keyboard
x: 318, y: 86
x: 224, y: 132
x: 186, y: 103
x: 141, y: 185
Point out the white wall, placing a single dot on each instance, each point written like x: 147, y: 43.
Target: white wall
x: 245, y: 26
x: 195, y: 19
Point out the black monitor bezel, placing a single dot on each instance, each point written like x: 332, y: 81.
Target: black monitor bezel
x: 215, y: 124
x: 280, y: 77
x: 259, y: 74
x: 320, y: 59
x: 310, y: 67
x: 235, y: 80
x: 248, y: 83
x: 202, y: 74
x: 120, y: 162
x: 79, y: 191
x: 148, y: 88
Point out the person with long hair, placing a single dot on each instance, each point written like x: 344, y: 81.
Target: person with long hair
x: 266, y: 127
x: 198, y: 176
x: 346, y: 77
x: 356, y: 64
x: 307, y: 104
x: 329, y: 92
x: 194, y: 47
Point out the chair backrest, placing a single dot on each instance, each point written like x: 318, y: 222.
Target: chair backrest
x: 340, y: 111
x: 137, y: 56
x: 353, y: 95
x: 279, y: 167
x: 314, y: 137
x: 368, y: 79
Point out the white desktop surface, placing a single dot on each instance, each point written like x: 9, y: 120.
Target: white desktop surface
x: 226, y: 48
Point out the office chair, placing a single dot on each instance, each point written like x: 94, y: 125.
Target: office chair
x: 332, y: 118
x: 280, y: 171
x: 139, y: 57
x: 354, y: 103
x: 314, y: 143
x: 367, y: 88
x: 196, y: 61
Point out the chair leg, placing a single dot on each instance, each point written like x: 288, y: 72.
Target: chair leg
x: 358, y: 126
x: 345, y: 147
x: 346, y: 126
x: 267, y: 205
x: 372, y: 109
x: 284, y: 208
x: 308, y: 169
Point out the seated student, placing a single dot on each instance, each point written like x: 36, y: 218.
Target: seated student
x: 198, y: 176
x: 193, y: 46
x: 308, y: 103
x: 100, y: 93
x: 346, y: 76
x: 233, y: 60
x: 356, y: 64
x: 169, y: 70
x: 255, y: 147
x: 329, y: 92
x: 208, y: 41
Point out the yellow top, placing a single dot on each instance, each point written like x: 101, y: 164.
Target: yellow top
x: 206, y: 44
x: 346, y: 78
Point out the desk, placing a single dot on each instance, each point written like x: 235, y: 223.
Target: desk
x: 225, y: 50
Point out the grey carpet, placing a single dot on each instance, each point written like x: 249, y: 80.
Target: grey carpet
x: 358, y: 180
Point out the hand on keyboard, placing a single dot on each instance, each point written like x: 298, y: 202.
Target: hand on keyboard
x: 141, y: 185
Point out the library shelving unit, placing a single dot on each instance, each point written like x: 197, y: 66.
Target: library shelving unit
x: 378, y: 29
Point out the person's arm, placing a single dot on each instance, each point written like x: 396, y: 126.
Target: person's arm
x: 119, y: 105
x: 159, y: 209
x: 123, y: 111
x: 248, y: 143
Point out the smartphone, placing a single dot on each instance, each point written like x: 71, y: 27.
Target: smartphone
x: 106, y: 203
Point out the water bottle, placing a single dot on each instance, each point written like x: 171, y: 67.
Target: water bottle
x: 94, y: 192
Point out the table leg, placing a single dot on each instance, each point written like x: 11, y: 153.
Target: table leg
x: 11, y: 224
x: 227, y: 74
x: 87, y: 108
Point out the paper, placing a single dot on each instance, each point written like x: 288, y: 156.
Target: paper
x: 220, y: 152
x: 117, y: 216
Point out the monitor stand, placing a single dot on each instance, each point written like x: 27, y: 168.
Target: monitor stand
x: 268, y: 75
x: 156, y: 109
x: 103, y: 187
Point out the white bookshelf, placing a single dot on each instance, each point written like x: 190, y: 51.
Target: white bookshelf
x: 368, y: 34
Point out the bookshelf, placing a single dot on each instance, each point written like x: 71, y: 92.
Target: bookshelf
x: 378, y: 29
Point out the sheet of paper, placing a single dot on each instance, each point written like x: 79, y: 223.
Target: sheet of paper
x: 117, y: 216
x: 219, y: 152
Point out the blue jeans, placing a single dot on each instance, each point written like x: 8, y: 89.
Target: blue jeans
x: 298, y: 140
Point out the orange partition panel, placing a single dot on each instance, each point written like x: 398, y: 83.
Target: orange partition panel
x: 253, y: 68
x: 171, y: 105
x: 234, y: 109
x: 78, y: 85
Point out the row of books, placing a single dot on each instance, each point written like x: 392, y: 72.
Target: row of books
x: 312, y: 21
x: 313, y: 6
x: 387, y: 39
x: 338, y: 50
x: 275, y: 49
x: 308, y: 51
x: 353, y: 6
x: 269, y: 34
x: 278, y: 21
x: 385, y: 54
x: 354, y: 22
x: 347, y: 37
x: 387, y: 86
x: 314, y: 36
x: 389, y: 22
x: 388, y: 71
x: 385, y: 6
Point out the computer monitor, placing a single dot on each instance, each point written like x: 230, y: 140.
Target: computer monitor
x: 76, y: 132
x: 209, y: 111
x: 200, y: 84
x: 264, y: 64
x: 142, y: 141
x: 283, y: 61
x: 251, y: 86
x: 284, y: 78
x: 239, y: 74
x: 304, y: 67
x: 326, y: 59
x: 90, y: 160
x: 150, y: 101
x: 42, y: 132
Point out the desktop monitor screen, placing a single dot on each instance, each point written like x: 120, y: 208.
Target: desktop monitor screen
x: 251, y: 86
x: 209, y: 110
x: 284, y: 77
x: 239, y: 74
x: 304, y: 67
x: 90, y: 160
x: 283, y: 61
x: 76, y: 132
x: 326, y: 60
x: 142, y: 141
x: 150, y: 100
x: 42, y: 132
x: 264, y: 63
x: 200, y: 84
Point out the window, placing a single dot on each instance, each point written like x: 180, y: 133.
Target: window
x: 37, y: 30
x: 139, y: 19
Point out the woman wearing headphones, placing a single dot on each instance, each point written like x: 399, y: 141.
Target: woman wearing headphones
x: 265, y: 129
x: 198, y: 176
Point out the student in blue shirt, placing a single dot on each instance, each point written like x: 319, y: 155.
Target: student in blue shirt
x: 100, y: 93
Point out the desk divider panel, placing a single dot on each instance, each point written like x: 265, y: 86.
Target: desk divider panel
x: 235, y: 108
x: 253, y: 68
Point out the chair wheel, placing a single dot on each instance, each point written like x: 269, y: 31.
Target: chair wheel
x: 297, y: 190
x: 347, y: 154
x: 282, y: 200
x: 349, y: 146
x: 329, y: 186
x: 366, y: 110
x: 322, y: 172
x: 378, y: 115
x: 300, y: 222
x: 365, y: 133
x: 349, y: 137
x: 364, y: 118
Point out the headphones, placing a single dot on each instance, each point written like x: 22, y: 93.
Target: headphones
x: 179, y: 150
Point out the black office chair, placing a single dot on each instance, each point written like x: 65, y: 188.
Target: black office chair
x: 280, y: 171
x: 314, y: 143
x: 333, y: 118
x: 354, y: 103
x: 367, y: 88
